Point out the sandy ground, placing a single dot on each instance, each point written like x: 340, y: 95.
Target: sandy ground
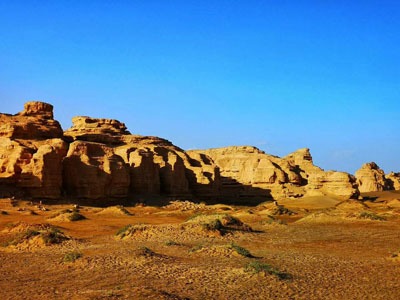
x: 314, y: 248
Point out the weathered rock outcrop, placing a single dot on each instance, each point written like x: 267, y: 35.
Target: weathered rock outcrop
x: 370, y: 178
x: 335, y: 184
x: 318, y: 182
x: 100, y: 158
x: 393, y: 180
x: 247, y: 172
x: 155, y: 166
x: 35, y: 122
x: 106, y: 131
x: 31, y: 151
x: 92, y: 170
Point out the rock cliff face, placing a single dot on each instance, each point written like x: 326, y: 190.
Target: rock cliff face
x: 370, y: 178
x: 31, y: 151
x: 143, y: 166
x: 246, y: 172
x: 93, y: 170
x: 101, y: 159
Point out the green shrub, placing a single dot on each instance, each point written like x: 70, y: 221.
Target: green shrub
x: 124, y: 210
x: 53, y: 236
x: 194, y: 216
x: 370, y: 216
x: 228, y: 220
x: 213, y: 225
x: 196, y: 248
x: 76, y: 216
x: 240, y: 250
x: 50, y: 235
x: 122, y: 232
x: 171, y: 243
x: 256, y: 267
x: 72, y: 256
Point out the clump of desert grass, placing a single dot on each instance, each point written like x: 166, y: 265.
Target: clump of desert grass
x: 221, y: 223
x: 72, y: 256
x: 366, y: 215
x: 256, y: 267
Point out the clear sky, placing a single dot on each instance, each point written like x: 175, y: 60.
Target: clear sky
x: 279, y: 75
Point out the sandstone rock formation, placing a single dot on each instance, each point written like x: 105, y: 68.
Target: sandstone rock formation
x: 393, y: 180
x: 101, y: 159
x: 31, y: 151
x: 247, y: 172
x: 93, y: 170
x: 107, y: 131
x: 154, y: 165
x: 35, y: 122
x: 370, y: 178
x: 318, y: 182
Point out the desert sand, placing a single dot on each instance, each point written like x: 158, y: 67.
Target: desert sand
x: 309, y: 248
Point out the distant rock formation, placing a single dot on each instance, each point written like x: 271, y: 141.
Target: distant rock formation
x: 247, y: 172
x: 101, y: 159
x: 393, y: 180
x: 371, y: 178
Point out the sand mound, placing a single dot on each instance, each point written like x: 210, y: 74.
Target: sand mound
x: 395, y: 203
x: 351, y: 213
x: 214, y: 251
x: 351, y: 205
x: 199, y: 227
x: 25, y: 236
x: 115, y: 210
x: 185, y: 205
x: 67, y: 216
x: 322, y: 217
x: 310, y: 202
x: 272, y: 221
x: 146, y: 253
x: 179, y: 233
x: 366, y: 215
x: 22, y: 226
x: 28, y: 212
x: 219, y: 221
x: 229, y: 250
x: 274, y: 209
x: 222, y: 207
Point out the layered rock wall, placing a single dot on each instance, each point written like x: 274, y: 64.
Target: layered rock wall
x: 101, y: 159
x: 247, y: 172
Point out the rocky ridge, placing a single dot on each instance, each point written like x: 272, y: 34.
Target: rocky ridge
x: 101, y: 159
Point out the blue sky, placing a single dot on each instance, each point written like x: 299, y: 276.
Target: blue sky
x: 279, y: 75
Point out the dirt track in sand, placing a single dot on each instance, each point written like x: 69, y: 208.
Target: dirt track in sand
x: 326, y: 250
